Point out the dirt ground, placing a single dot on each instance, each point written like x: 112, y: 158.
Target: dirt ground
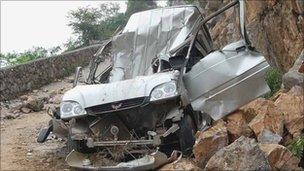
x: 19, y: 148
x: 19, y: 130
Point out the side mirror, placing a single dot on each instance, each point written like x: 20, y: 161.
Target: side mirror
x: 78, y: 74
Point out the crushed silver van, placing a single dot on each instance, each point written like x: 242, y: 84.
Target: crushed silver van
x: 165, y: 82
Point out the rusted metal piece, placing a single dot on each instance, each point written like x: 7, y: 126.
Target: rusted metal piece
x: 155, y: 141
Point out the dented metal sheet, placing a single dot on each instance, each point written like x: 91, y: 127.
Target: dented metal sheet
x: 148, y: 162
x: 151, y: 34
x: 226, y: 80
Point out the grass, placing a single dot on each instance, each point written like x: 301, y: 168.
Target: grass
x: 274, y: 81
x: 297, y: 146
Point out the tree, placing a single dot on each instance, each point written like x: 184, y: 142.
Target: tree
x: 134, y: 6
x: 72, y: 44
x: 95, y: 24
x: 54, y: 50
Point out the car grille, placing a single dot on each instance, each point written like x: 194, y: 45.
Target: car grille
x: 117, y: 106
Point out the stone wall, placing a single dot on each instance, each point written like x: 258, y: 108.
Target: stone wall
x: 17, y: 80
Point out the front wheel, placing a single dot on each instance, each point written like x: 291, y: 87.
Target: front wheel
x: 186, y: 134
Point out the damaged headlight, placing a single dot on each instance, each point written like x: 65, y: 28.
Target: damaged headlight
x: 164, y: 91
x: 70, y: 109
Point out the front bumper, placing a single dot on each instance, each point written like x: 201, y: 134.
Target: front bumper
x: 148, y: 162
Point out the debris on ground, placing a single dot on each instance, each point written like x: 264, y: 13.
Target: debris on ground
x: 35, y: 104
x: 25, y: 110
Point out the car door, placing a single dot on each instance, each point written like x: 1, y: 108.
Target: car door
x: 226, y: 79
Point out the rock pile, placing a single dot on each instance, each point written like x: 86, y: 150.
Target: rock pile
x: 242, y: 154
x: 252, y: 137
x: 279, y: 157
x: 209, y: 142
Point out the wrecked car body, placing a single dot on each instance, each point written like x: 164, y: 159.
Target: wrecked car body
x: 164, y: 83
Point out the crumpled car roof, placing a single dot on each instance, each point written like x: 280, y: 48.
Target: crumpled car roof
x: 151, y: 34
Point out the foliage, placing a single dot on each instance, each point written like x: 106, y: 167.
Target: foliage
x: 134, y: 6
x: 72, y: 44
x: 274, y: 81
x: 92, y: 24
x: 54, y: 50
x: 96, y: 24
x: 297, y: 146
x: 32, y: 54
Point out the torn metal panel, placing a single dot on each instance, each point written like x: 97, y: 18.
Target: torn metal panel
x: 148, y: 162
x: 151, y: 34
x: 226, y: 80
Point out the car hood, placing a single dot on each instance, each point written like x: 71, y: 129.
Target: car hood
x: 141, y: 86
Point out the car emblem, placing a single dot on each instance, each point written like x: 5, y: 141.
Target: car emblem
x: 116, y: 106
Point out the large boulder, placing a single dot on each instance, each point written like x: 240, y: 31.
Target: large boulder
x: 242, y: 154
x: 237, y: 126
x: 209, y: 142
x: 183, y: 164
x: 292, y: 78
x: 279, y: 157
x: 295, y: 76
x: 275, y: 28
x: 292, y: 106
x: 268, y: 117
x: 267, y: 136
x: 251, y: 109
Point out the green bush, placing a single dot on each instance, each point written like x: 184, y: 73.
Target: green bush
x: 274, y: 81
x: 15, y: 58
x: 297, y: 146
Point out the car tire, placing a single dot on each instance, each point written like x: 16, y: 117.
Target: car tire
x: 186, y: 135
x: 79, y: 146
